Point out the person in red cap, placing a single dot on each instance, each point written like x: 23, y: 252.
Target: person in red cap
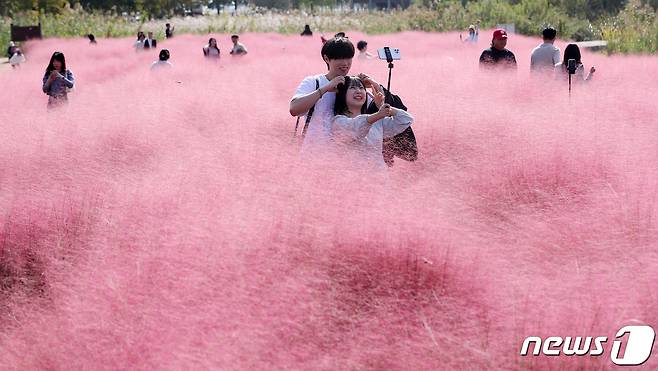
x: 497, y: 55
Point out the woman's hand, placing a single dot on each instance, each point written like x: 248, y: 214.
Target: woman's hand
x: 378, y: 97
x: 386, y: 110
x: 592, y: 70
x: 369, y: 82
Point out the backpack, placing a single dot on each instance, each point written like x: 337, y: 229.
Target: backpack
x: 402, y: 145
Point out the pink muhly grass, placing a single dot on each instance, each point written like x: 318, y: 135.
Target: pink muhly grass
x: 166, y: 220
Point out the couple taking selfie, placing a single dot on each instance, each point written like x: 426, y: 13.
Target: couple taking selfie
x: 354, y: 113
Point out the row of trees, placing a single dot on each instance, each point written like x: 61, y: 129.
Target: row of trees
x: 155, y: 8
x: 582, y: 9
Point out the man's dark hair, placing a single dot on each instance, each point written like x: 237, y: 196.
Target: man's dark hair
x: 164, y: 55
x: 549, y: 33
x: 338, y: 48
x: 340, y: 34
x: 235, y: 37
x: 361, y: 45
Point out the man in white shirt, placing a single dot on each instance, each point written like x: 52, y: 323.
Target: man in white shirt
x: 545, y: 56
x: 316, y: 94
x: 238, y: 47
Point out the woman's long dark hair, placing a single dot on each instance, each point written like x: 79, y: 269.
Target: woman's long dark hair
x: 210, y: 46
x: 340, y: 107
x: 571, y: 52
x: 57, y: 56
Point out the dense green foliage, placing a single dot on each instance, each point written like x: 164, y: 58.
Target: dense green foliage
x: 629, y: 28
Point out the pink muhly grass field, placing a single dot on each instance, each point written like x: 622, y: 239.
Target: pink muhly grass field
x: 167, y: 220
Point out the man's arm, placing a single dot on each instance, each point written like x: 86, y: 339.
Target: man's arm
x: 485, y: 58
x: 303, y: 103
x: 556, y: 56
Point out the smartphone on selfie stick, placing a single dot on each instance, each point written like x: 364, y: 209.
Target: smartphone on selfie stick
x: 571, y: 68
x: 389, y: 55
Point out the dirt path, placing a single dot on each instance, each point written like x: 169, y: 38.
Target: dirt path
x: 4, y: 64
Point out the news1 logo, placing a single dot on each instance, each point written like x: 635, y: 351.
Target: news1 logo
x: 637, y: 351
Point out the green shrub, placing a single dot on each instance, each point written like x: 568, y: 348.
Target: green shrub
x: 633, y: 30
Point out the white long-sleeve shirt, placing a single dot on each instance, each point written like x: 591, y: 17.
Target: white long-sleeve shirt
x: 357, y: 133
x: 561, y: 73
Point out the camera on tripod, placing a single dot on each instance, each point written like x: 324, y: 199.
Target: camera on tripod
x: 571, y: 66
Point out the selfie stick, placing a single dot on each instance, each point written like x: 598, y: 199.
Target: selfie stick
x: 389, y: 59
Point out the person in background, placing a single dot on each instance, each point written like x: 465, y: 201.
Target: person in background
x: 545, y: 56
x: 307, y: 31
x: 338, y: 34
x: 238, y: 47
x: 162, y: 62
x: 572, y: 51
x: 169, y: 31
x: 139, y: 44
x: 497, y: 55
x: 92, y: 38
x: 211, y: 50
x: 149, y: 42
x: 17, y: 59
x: 57, y: 80
x: 11, y: 49
x: 473, y: 33
x: 362, y: 46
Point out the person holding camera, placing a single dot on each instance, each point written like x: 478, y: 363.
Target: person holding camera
x: 169, y: 31
x: 316, y: 94
x: 545, y: 56
x: 57, y: 81
x: 562, y: 70
x: 497, y: 55
x: 357, y: 129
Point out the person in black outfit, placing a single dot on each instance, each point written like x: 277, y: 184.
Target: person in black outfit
x: 307, y: 31
x: 497, y: 55
x: 11, y: 49
x: 169, y: 31
x: 150, y: 42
